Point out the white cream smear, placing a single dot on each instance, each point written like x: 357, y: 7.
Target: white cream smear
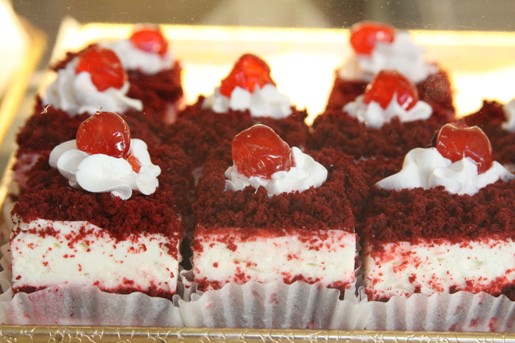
x: 76, y: 94
x: 262, y: 102
x: 133, y: 58
x: 374, y: 116
x: 402, y: 55
x: 100, y: 173
x: 304, y: 174
x: 427, y: 168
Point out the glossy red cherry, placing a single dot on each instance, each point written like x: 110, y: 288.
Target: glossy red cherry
x: 104, y: 66
x: 248, y: 72
x: 364, y: 36
x: 259, y: 151
x: 104, y: 133
x: 389, y: 83
x: 456, y: 141
x: 150, y: 39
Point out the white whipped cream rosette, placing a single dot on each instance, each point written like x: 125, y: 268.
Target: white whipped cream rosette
x: 133, y: 58
x: 305, y: 173
x: 76, y: 93
x: 374, y: 116
x: 402, y: 55
x: 427, y: 168
x: 262, y: 102
x: 99, y: 173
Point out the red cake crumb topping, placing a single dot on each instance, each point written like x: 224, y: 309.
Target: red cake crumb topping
x: 49, y: 196
x: 339, y: 130
x: 325, y: 207
x: 408, y: 215
x: 104, y: 66
x: 150, y: 39
x: 248, y: 72
x: 390, y: 84
x: 365, y: 35
x: 259, y: 151
x: 218, y: 130
x: 457, y: 140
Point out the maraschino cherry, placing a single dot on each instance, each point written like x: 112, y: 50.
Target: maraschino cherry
x: 364, y: 36
x: 104, y: 66
x: 106, y: 133
x: 457, y: 140
x: 259, y: 151
x: 387, y: 84
x: 248, y: 72
x: 149, y: 38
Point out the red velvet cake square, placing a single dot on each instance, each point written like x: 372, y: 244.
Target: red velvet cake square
x: 89, y: 218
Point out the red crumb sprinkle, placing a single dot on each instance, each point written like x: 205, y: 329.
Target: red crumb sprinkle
x: 215, y: 264
x: 339, y: 130
x: 409, y: 215
x: 325, y: 207
x: 218, y: 129
x: 49, y: 196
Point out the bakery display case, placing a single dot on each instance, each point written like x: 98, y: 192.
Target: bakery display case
x: 305, y: 43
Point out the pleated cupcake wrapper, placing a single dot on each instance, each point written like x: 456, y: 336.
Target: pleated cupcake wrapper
x: 82, y: 305
x: 272, y: 305
x: 461, y: 311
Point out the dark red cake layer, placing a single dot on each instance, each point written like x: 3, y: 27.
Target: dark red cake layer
x: 490, y: 118
x: 338, y: 130
x: 325, y: 207
x: 49, y: 196
x: 435, y: 90
x: 409, y: 215
x: 202, y: 132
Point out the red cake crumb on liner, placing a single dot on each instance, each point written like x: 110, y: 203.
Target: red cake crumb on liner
x: 460, y: 311
x: 272, y: 305
x: 81, y: 305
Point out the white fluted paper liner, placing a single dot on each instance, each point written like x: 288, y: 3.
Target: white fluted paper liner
x: 82, y: 306
x: 461, y: 311
x: 273, y: 305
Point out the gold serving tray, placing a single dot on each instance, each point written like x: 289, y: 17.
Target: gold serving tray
x: 303, y: 62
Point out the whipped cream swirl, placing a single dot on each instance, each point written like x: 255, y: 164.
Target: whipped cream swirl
x: 262, y: 102
x: 509, y: 110
x: 76, y: 94
x: 99, y: 173
x: 133, y: 58
x: 305, y: 174
x: 402, y: 55
x: 374, y: 116
x: 427, y: 168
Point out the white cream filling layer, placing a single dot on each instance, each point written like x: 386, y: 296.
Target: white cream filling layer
x: 438, y: 266
x: 80, y: 253
x: 133, y: 58
x: 374, y: 116
x: 76, y: 94
x: 427, y: 168
x: 402, y: 55
x: 262, y: 102
x: 325, y: 256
